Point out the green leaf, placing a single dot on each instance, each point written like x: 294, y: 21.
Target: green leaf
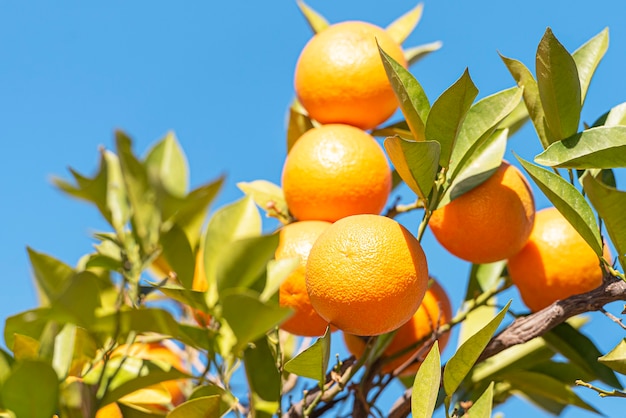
x: 316, y: 21
x: 312, y: 362
x: 400, y: 129
x: 482, y: 407
x: 6, y: 364
x: 601, y: 147
x: 524, y: 78
x: 559, y: 86
x: 580, y: 350
x: 18, y: 395
x: 263, y: 376
x: 481, y: 121
x: 268, y: 196
x: 148, y: 374
x: 277, y: 272
x: 610, y: 204
x: 167, y: 166
x: 140, y: 320
x: 410, y: 94
x: 51, y: 275
x: 569, y: 201
x: 562, y: 371
x: 299, y: 123
x: 587, y: 58
x: 31, y: 323
x: 448, y: 113
x: 77, y: 304
x: 616, y: 358
x: 416, y: 53
x: 616, y: 116
x: 252, y: 322
x: 426, y: 384
x: 463, y: 360
x: 25, y: 347
x: 415, y: 162
x: 179, y: 254
x: 402, y: 27
x: 201, y: 407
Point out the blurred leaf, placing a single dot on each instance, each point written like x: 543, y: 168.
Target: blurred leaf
x: 192, y: 298
x: 402, y: 27
x: 524, y: 78
x: 77, y: 304
x: 179, y: 254
x: 145, y: 217
x: 568, y: 200
x: 299, y: 123
x: 51, y: 275
x: 416, y: 162
x: 268, y: 197
x: 31, y: 323
x: 18, y: 395
x: 601, y: 147
x: 466, y: 355
x: 562, y: 371
x: 559, y: 86
x: 277, y: 272
x: 410, y: 94
x: 482, y: 407
x: 6, y: 364
x: 426, y: 384
x: 149, y: 374
x: 73, y: 348
x: 263, y: 376
x: 312, y: 362
x: 616, y: 116
x: 167, y: 165
x: 416, y: 53
x: 140, y: 320
x: 199, y: 337
x: 315, y: 20
x: 610, y: 204
x: 201, y: 407
x: 227, y: 400
x: 587, y: 58
x: 481, y: 121
x: 400, y: 129
x: 616, y: 358
x: 448, y: 113
x: 580, y: 350
x: 25, y: 347
x: 252, y: 322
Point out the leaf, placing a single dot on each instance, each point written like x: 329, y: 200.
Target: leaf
x: 587, y: 58
x: 312, y: 362
x: 277, y: 272
x: 139, y: 320
x: 448, y: 113
x: 616, y: 116
x: 51, y: 275
x: 6, y: 364
x: 18, y: 395
x: 402, y: 27
x: 264, y: 379
x: 31, y: 323
x: 400, y: 129
x: 315, y: 20
x: 426, y: 384
x: 149, y: 374
x: 410, y: 94
x: 524, y: 78
x: 299, y: 123
x: 415, y: 162
x: 201, y: 407
x: 463, y: 360
x: 179, y: 254
x: 167, y: 166
x: 559, y: 86
x: 616, y: 358
x: 601, y: 147
x: 252, y: 322
x: 77, y: 304
x: 482, y: 407
x: 268, y: 196
x: 416, y: 53
x: 25, y: 347
x: 568, y: 200
x: 610, y: 204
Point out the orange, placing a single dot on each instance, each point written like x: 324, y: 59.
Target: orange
x: 434, y: 312
x: 335, y: 171
x: 555, y: 263
x: 490, y: 222
x: 340, y: 78
x: 366, y: 275
x: 296, y: 240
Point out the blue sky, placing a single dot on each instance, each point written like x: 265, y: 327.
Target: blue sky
x: 220, y: 74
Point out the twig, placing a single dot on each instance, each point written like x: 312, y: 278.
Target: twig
x: 601, y: 392
x: 613, y: 318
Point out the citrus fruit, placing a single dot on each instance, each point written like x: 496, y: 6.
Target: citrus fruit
x: 366, y: 275
x: 490, y: 222
x: 555, y: 263
x: 434, y: 312
x: 340, y: 78
x: 335, y: 171
x: 296, y: 240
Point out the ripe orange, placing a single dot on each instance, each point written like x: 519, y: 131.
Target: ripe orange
x: 366, y: 274
x: 435, y: 309
x: 296, y: 240
x: 555, y: 263
x: 335, y: 171
x: 340, y: 78
x: 490, y: 222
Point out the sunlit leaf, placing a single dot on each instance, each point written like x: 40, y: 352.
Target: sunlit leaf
x: 316, y: 21
x: 416, y: 53
x: 267, y: 196
x: 167, y: 165
x: 25, y: 347
x: 18, y: 395
x: 277, y: 272
x: 463, y: 360
x: 179, y: 254
x: 587, y: 58
x: 6, y: 364
x: 515, y: 120
x: 31, y: 323
x: 312, y: 362
x: 78, y: 302
x: 201, y: 407
x: 616, y: 116
x: 601, y: 147
x: 138, y: 320
x: 402, y: 27
x: 261, y: 371
x: 448, y: 113
x: 568, y: 200
x: 482, y: 407
x: 150, y: 374
x: 400, y: 129
x: 559, y: 86
x: 426, y: 384
x: 51, y: 275
x: 616, y: 358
